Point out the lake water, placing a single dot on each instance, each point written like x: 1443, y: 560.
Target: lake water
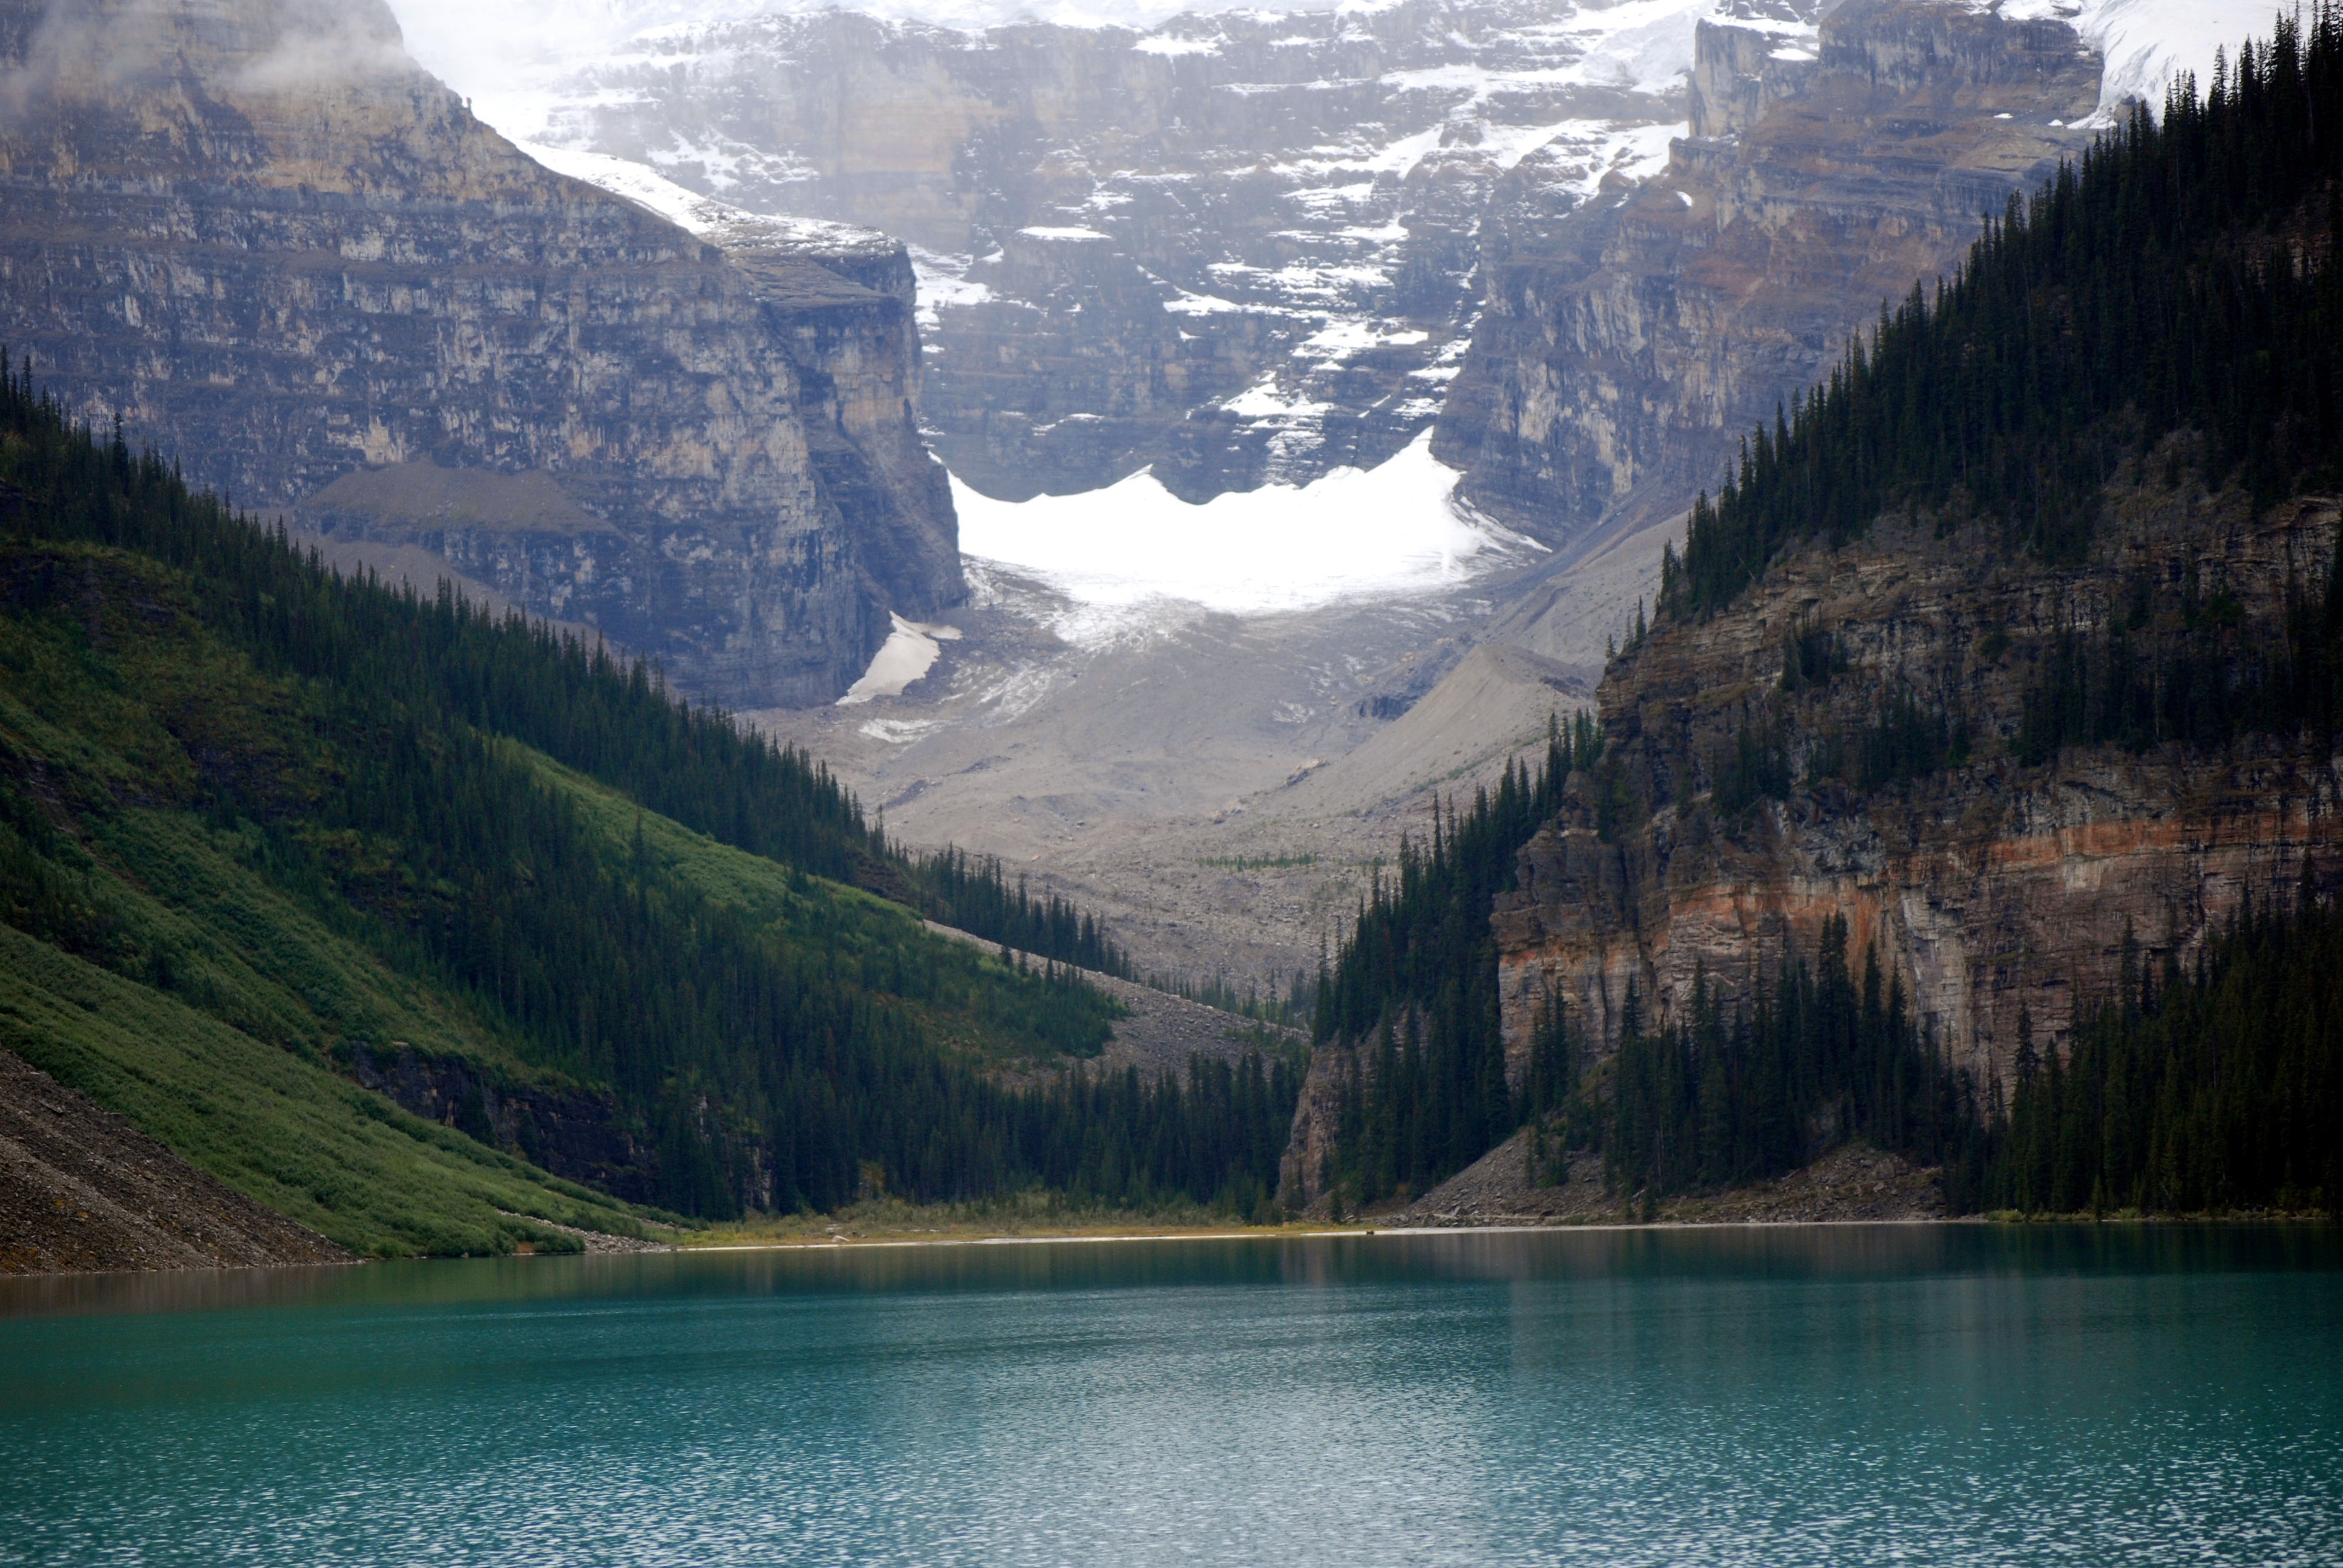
x: 1781, y: 1397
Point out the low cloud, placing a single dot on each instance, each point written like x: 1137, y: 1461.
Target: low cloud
x: 98, y: 51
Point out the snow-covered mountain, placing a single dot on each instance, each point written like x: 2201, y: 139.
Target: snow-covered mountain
x: 1237, y: 248
x: 1233, y: 245
x: 1256, y: 247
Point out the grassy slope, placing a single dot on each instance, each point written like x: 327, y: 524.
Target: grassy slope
x: 971, y: 982
x: 276, y: 1125
x: 214, y: 987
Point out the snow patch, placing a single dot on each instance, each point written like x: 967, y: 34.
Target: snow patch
x: 1135, y: 549
x: 942, y: 281
x: 718, y: 222
x: 2147, y: 45
x: 1263, y: 401
x: 910, y: 651
x: 1342, y: 339
x: 1162, y: 45
x: 897, y: 731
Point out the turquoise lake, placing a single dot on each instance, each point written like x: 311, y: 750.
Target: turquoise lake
x: 1953, y: 1394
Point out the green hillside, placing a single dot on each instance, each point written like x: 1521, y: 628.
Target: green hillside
x: 266, y: 835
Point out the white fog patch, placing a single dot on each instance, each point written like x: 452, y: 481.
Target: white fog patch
x: 1134, y: 546
x: 910, y: 651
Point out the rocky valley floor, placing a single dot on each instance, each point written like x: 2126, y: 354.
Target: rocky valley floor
x: 1222, y: 788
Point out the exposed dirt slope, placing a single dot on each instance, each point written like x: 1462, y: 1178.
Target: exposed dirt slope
x: 81, y: 1190
x: 1852, y: 1182
x: 1492, y: 707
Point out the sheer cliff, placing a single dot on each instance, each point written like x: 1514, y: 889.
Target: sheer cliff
x: 1239, y: 246
x: 1627, y: 343
x: 2004, y: 670
x: 2000, y: 886
x: 278, y: 250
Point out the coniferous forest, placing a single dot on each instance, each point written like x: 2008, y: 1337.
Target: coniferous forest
x: 2163, y: 284
x: 1417, y: 977
x: 2182, y: 278
x: 536, y: 836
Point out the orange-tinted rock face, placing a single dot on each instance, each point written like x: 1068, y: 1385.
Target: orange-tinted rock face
x: 286, y: 255
x: 1988, y: 888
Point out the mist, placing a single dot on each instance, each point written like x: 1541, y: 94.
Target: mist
x: 500, y: 52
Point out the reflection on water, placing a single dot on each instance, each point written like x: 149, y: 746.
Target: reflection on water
x: 1781, y: 1396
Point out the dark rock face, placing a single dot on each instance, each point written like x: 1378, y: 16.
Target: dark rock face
x: 297, y: 264
x: 1629, y: 342
x: 1988, y: 888
x: 1240, y: 248
x: 576, y: 1135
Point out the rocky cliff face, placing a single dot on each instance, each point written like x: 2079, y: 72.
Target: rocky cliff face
x: 1240, y: 248
x: 1989, y: 887
x: 1628, y: 342
x: 297, y: 263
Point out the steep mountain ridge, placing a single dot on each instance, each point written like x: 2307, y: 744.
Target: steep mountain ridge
x: 281, y: 252
x: 1239, y: 246
x: 1626, y: 345
x: 2007, y: 675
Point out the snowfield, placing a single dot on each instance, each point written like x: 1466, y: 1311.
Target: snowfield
x: 1352, y: 534
x: 2148, y: 43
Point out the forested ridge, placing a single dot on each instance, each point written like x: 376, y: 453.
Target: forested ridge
x: 2176, y: 291
x: 474, y: 813
x: 2182, y: 278
x: 1414, y: 988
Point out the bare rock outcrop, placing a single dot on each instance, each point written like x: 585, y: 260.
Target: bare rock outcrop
x: 1627, y: 342
x: 292, y: 260
x: 1992, y: 887
x: 1854, y: 1183
x: 81, y: 1190
x: 1239, y: 246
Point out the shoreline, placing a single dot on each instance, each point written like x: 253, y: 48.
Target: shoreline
x: 1262, y: 1234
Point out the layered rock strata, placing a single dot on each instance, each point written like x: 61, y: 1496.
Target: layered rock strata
x: 1991, y: 889
x: 295, y: 262
x: 1238, y: 248
x: 1626, y: 343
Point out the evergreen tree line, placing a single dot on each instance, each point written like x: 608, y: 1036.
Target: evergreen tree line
x: 971, y: 893
x: 1118, y: 1140
x: 2156, y: 288
x: 2180, y: 666
x: 2217, y: 1088
x: 1722, y: 1097
x: 1904, y: 739
x: 1414, y: 986
x: 1289, y: 1000
x: 2220, y: 1088
x: 730, y: 1038
x: 610, y: 719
